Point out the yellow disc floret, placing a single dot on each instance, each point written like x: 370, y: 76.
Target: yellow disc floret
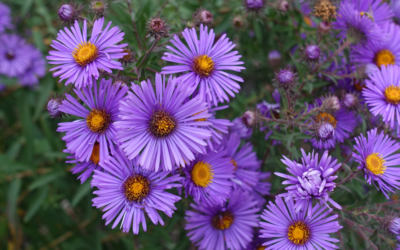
x: 162, y: 123
x: 85, y: 53
x: 202, y: 174
x: 374, y: 164
x: 384, y: 57
x: 98, y: 120
x: 298, y: 233
x: 136, y: 188
x: 223, y: 220
x: 203, y: 65
x: 392, y: 94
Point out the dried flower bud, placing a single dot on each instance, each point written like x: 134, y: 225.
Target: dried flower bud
x: 285, y: 78
x: 283, y: 5
x: 53, y: 106
x: 68, y: 13
x: 157, y: 27
x: 350, y: 100
x: 312, y: 53
x: 274, y: 58
x: 330, y: 104
x: 324, y: 27
x: 254, y: 5
x: 394, y: 226
x: 249, y: 118
x: 325, y: 10
x: 238, y: 22
x: 128, y: 58
x: 202, y: 16
x: 325, y: 131
x: 99, y: 8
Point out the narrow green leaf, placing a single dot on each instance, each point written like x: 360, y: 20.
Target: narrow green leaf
x: 37, y: 202
x: 45, y: 179
x: 83, y: 190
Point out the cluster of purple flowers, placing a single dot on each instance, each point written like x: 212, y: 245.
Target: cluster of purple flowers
x: 18, y: 58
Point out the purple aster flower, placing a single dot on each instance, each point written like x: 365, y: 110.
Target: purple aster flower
x: 98, y: 123
x: 256, y: 243
x: 15, y: 55
x: 226, y: 226
x: 395, y: 5
x: 205, y: 63
x: 362, y: 19
x: 36, y: 69
x: 79, y: 60
x: 208, y: 177
x: 127, y: 192
x: 285, y: 228
x: 343, y: 121
x: 5, y: 18
x: 383, y: 94
x: 378, y: 53
x: 310, y: 180
x: 261, y: 188
x: 376, y: 157
x: 240, y: 129
x: 245, y: 162
x: 163, y: 129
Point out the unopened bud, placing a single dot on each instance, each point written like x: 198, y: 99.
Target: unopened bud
x: 254, y: 5
x: 285, y: 78
x: 349, y: 100
x: 99, y: 8
x: 157, y: 27
x: 202, y: 16
x: 249, y: 118
x: 331, y: 104
x: 68, y: 13
x: 283, y: 5
x: 312, y: 52
x: 325, y: 131
x: 237, y: 22
x: 53, y: 106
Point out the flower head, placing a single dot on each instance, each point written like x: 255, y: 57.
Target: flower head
x: 204, y: 64
x: 127, y: 192
x: 5, y: 18
x: 285, y: 78
x: 376, y: 157
x: 286, y: 228
x: 274, y: 58
x: 80, y: 59
x: 98, y: 123
x: 208, y: 177
x: 394, y: 226
x: 239, y: 128
x: 310, y: 180
x: 162, y: 128
x: 15, y: 55
x: 312, y: 52
x: 35, y: 69
x: 225, y: 226
x: 254, y: 5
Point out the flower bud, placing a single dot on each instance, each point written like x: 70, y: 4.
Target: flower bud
x: 331, y: 104
x: 254, y: 5
x: 99, y: 8
x: 237, y: 22
x: 325, y: 131
x: 249, y: 118
x: 285, y: 78
x: 283, y: 5
x: 312, y: 52
x: 68, y: 13
x: 157, y: 27
x: 324, y: 27
x: 53, y: 106
x: 202, y: 16
x: 349, y: 100
x: 394, y: 226
x: 274, y: 58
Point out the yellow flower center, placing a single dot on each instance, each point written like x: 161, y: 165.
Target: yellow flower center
x: 384, y: 57
x: 95, y: 156
x: 98, y: 120
x: 223, y: 220
x: 85, y: 53
x: 136, y: 188
x: 326, y: 117
x: 162, y: 124
x: 375, y: 163
x: 298, y: 233
x: 392, y: 94
x: 202, y: 174
x: 203, y: 65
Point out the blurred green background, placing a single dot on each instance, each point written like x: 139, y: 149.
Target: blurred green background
x: 43, y: 206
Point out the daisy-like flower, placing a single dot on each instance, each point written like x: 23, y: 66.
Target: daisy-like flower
x: 382, y: 94
x: 86, y: 167
x: 362, y: 19
x: 310, y: 180
x: 15, y: 55
x: 285, y: 228
x: 343, y: 122
x: 379, y: 53
x: 208, y: 177
x: 376, y: 157
x: 127, y: 192
x: 245, y: 162
x: 80, y: 60
x: 98, y: 123
x: 162, y: 129
x: 203, y: 64
x: 226, y: 226
x: 5, y: 18
x: 35, y: 69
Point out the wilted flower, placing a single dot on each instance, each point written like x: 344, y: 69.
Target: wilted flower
x: 237, y: 22
x: 330, y: 104
x: 325, y: 10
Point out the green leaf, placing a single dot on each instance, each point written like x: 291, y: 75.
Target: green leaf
x: 83, y: 190
x: 12, y: 196
x: 37, y: 202
x: 45, y: 179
